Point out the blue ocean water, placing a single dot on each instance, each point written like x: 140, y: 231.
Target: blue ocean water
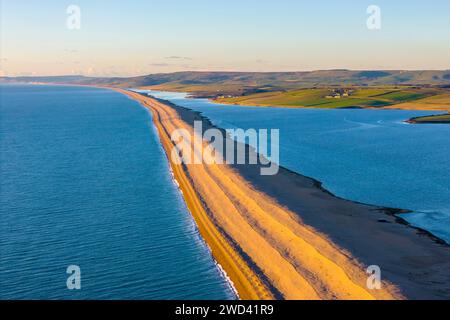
x: 84, y: 181
x: 370, y: 156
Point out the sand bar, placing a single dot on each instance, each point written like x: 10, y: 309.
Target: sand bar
x: 285, y: 237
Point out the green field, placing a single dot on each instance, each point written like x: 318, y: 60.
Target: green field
x: 358, y: 98
x: 402, y: 96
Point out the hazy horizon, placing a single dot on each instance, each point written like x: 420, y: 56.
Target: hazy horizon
x: 215, y: 71
x: 113, y: 39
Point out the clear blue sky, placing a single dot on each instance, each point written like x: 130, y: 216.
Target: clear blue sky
x: 139, y: 37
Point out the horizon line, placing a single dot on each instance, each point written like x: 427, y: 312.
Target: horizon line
x: 215, y: 71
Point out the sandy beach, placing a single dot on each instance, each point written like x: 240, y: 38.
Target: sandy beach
x: 285, y: 237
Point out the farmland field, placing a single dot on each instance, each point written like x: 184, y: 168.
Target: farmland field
x: 392, y: 97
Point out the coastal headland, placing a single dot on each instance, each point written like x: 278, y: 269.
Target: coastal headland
x: 285, y: 237
x: 438, y: 119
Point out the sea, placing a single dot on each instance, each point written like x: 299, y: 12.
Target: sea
x: 88, y: 206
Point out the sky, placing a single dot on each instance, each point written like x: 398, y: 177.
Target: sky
x: 133, y: 37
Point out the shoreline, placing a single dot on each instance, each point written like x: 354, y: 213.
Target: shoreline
x: 443, y: 118
x: 410, y: 106
x: 331, y: 246
x: 400, y: 106
x: 221, y: 270
x: 233, y: 265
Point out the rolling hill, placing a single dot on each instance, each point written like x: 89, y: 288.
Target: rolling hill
x: 373, y: 89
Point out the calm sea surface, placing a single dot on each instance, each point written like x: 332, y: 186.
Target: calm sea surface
x: 85, y: 182
x: 370, y: 156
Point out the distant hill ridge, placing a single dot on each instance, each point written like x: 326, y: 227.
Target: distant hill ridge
x: 271, y: 79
